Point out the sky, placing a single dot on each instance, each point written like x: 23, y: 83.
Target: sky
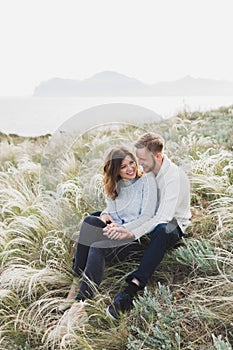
x: 150, y: 40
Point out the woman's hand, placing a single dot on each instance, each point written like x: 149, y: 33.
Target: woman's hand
x: 117, y: 232
x: 112, y: 224
x: 106, y: 218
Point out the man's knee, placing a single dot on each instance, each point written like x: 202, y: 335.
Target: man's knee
x: 159, y: 231
x: 163, y: 237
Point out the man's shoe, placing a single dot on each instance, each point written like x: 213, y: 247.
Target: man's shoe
x: 122, y: 302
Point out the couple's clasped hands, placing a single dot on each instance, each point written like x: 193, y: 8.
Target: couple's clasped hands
x: 113, y: 231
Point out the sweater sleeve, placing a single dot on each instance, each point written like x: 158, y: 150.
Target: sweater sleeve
x: 110, y: 206
x: 167, y: 206
x: 149, y: 202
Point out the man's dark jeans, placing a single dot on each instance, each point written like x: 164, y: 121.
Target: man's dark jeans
x: 163, y: 237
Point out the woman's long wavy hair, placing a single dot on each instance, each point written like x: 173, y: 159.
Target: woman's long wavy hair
x: 112, y: 167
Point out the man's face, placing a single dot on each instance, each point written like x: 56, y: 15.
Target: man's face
x: 146, y: 159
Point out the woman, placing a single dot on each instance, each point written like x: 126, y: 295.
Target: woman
x: 129, y: 195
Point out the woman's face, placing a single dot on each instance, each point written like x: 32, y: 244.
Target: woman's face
x: 128, y: 168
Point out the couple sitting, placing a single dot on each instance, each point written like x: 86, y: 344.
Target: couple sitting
x: 156, y: 203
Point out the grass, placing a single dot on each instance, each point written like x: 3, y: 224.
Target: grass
x: 45, y: 192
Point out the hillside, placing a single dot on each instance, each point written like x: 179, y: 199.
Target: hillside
x: 188, y: 302
x: 110, y: 83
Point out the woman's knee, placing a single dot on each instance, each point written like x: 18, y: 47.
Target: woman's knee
x: 94, y: 221
x: 88, y: 219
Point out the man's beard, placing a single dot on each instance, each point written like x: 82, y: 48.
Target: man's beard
x: 153, y: 167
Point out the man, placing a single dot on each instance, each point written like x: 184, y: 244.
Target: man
x: 165, y: 228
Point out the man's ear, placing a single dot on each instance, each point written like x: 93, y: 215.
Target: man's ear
x: 159, y: 157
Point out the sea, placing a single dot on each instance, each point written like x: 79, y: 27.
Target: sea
x: 35, y: 116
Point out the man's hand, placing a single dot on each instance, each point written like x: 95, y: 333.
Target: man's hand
x: 117, y: 232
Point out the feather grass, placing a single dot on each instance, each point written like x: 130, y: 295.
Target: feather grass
x: 190, y: 307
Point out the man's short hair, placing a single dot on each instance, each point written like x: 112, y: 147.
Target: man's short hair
x: 151, y: 141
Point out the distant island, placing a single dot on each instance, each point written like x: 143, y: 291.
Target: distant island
x: 109, y: 83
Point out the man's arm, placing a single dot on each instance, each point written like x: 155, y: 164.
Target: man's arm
x: 174, y: 190
x: 174, y: 187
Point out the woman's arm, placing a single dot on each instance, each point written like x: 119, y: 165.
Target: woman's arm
x: 148, y: 208
x: 104, y: 216
x: 148, y: 204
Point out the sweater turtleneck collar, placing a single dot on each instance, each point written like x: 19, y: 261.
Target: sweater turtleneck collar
x: 165, y: 165
x: 126, y: 183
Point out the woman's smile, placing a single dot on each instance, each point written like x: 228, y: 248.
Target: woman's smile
x: 128, y: 168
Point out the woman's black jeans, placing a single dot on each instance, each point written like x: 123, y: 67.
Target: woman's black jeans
x: 93, y: 250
